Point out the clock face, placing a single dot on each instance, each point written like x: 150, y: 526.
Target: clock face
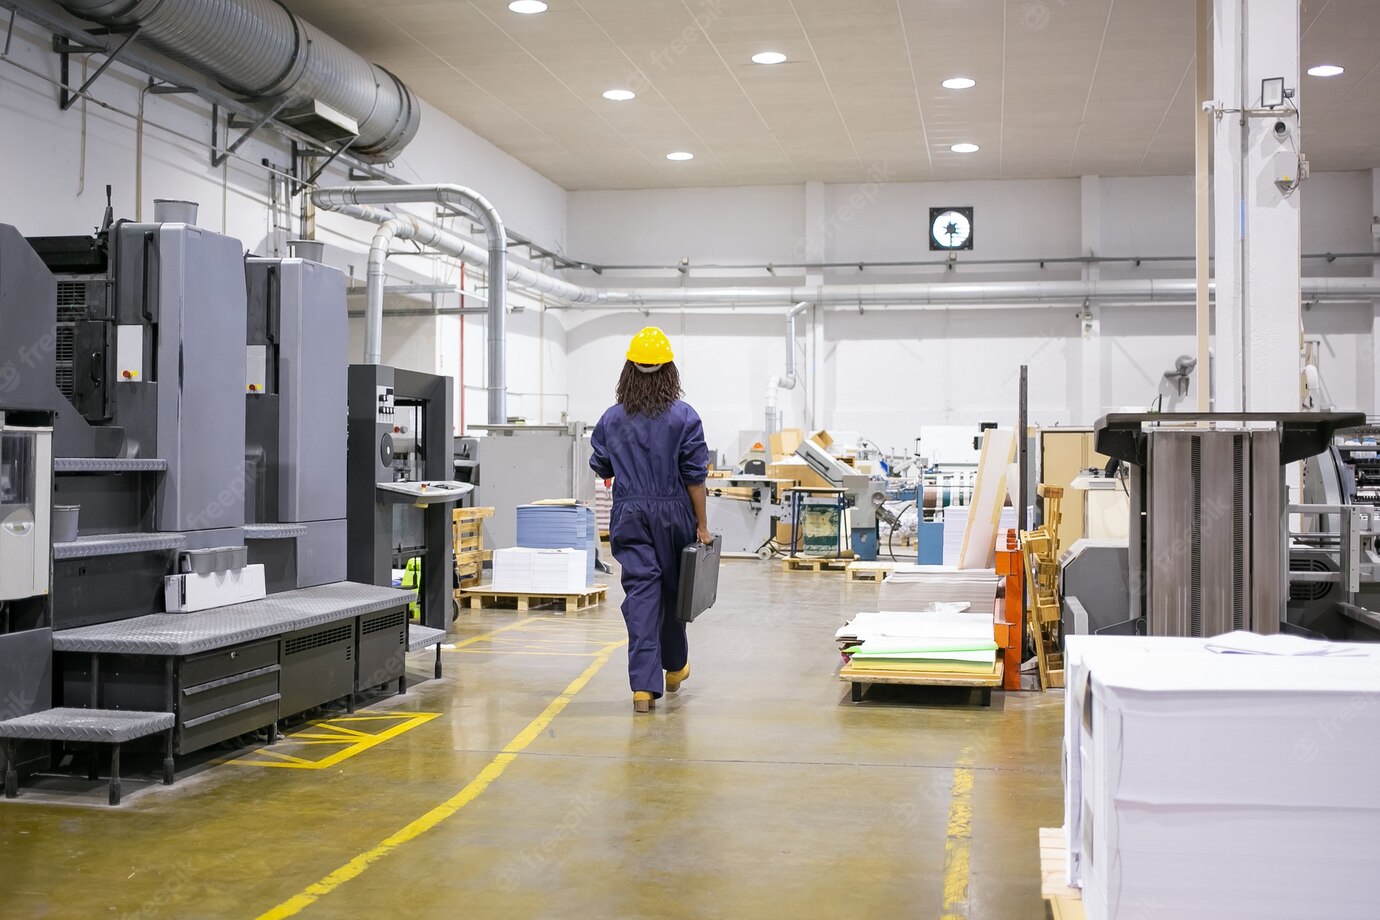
x: 951, y: 228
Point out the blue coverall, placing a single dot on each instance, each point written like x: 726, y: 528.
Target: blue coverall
x: 651, y: 461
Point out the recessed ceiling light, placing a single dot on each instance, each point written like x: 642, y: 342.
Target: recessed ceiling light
x: 527, y: 7
x: 965, y: 148
x: 680, y: 155
x: 620, y: 95
x: 1326, y: 70
x: 959, y: 83
x: 768, y: 57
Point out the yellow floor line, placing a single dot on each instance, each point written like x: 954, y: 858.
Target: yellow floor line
x: 958, y: 841
x: 355, y: 867
x: 480, y: 638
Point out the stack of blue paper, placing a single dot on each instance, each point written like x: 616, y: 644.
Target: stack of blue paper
x: 559, y: 527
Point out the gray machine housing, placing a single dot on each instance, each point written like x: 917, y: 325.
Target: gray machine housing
x: 515, y: 465
x: 295, y: 420
x: 385, y: 530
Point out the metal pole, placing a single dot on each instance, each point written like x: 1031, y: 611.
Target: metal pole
x: 1203, y: 128
x: 1022, y: 439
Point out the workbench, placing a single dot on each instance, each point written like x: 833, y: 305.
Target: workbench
x: 233, y: 670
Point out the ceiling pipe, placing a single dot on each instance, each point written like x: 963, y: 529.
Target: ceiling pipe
x: 459, y: 198
x: 779, y: 382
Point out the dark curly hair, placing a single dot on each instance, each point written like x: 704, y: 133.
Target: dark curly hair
x: 648, y: 394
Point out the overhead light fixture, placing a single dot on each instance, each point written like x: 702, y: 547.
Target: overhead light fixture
x: 768, y: 57
x: 959, y: 83
x: 1326, y: 70
x: 680, y: 155
x: 965, y: 148
x: 527, y: 7
x: 619, y: 95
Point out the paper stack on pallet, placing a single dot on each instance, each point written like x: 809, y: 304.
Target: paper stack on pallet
x: 931, y: 642
x: 1223, y: 779
x: 918, y: 587
x: 525, y: 570
x: 563, y: 525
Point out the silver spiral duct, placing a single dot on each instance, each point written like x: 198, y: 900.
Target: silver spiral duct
x: 261, y: 49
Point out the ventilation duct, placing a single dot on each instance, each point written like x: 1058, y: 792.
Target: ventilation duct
x: 257, y: 48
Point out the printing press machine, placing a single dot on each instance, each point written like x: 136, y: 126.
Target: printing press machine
x: 193, y: 404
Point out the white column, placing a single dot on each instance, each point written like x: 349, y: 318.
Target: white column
x: 1091, y: 398
x: 817, y: 391
x: 1257, y: 240
x: 1369, y: 358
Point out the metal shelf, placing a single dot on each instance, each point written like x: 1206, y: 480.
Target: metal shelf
x: 116, y: 544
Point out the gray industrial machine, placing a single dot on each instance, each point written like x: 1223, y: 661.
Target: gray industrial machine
x: 295, y: 418
x: 128, y: 348
x: 1209, y: 546
x: 401, y: 486
x: 1097, y: 575
x: 514, y: 465
x: 866, y: 498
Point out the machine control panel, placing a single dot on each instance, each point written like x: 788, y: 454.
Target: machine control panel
x: 384, y: 405
x: 425, y: 492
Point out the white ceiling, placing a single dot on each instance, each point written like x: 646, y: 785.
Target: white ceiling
x: 1065, y: 87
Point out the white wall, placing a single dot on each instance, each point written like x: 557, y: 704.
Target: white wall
x: 889, y: 374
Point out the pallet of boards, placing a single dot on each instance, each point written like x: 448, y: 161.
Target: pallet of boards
x: 467, y: 534
x: 816, y: 564
x: 485, y: 597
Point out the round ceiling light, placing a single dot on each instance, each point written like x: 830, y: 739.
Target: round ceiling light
x: 680, y: 155
x: 768, y: 57
x: 965, y: 148
x: 619, y: 95
x: 1326, y: 70
x: 959, y: 83
x: 527, y: 7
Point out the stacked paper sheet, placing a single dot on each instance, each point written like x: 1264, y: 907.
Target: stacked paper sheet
x: 955, y: 521
x: 918, y: 587
x: 1223, y: 778
x: 916, y: 642
x: 559, y: 526
x: 525, y: 570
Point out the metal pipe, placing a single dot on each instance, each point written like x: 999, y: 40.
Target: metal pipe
x: 259, y: 49
x: 777, y: 381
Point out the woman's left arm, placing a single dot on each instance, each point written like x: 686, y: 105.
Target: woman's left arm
x: 694, y: 469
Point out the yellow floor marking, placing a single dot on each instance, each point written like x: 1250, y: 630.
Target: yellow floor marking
x: 959, y: 841
x: 480, y: 638
x: 349, y: 742
x: 355, y: 867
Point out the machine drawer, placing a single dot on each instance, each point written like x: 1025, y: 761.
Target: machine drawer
x: 211, y: 666
x: 195, y: 734
x: 227, y: 693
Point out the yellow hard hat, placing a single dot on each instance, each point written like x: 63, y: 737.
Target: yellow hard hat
x: 650, y: 346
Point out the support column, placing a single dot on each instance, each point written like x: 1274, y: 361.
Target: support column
x: 1257, y: 242
x: 818, y: 245
x: 1369, y: 358
x: 1092, y: 389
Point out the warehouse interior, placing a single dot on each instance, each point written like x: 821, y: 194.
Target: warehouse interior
x: 1024, y: 522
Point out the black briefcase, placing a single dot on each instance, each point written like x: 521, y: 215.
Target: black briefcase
x: 699, y: 579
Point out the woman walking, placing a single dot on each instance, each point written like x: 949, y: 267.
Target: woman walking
x: 651, y: 444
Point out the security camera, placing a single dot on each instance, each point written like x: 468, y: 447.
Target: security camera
x: 1185, y: 364
x: 1281, y: 130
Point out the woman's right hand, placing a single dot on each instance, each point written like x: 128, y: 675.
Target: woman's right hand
x: 703, y: 535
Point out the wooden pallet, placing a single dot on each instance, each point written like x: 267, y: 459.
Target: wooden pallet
x: 485, y: 598
x: 1065, y: 903
x: 870, y: 571
x: 860, y: 677
x: 814, y: 564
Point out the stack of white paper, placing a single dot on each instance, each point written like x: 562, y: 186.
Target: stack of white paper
x: 1223, y: 786
x: 919, y: 641
x: 918, y: 587
x: 559, y: 526
x: 525, y: 570
x: 955, y: 522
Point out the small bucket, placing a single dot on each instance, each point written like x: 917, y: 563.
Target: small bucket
x: 174, y: 211
x: 65, y: 523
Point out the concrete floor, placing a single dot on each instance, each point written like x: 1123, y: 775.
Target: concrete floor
x: 758, y: 791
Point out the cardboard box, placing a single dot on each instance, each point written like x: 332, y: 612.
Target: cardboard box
x: 784, y: 443
x: 798, y: 472
x: 822, y: 438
